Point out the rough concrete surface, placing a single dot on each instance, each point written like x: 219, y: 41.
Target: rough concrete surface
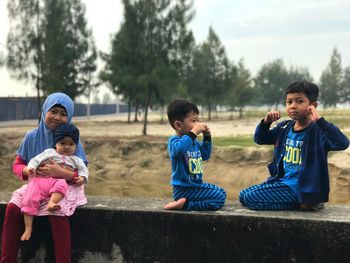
x: 139, y: 230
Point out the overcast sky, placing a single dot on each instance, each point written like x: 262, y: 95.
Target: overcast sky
x: 302, y: 33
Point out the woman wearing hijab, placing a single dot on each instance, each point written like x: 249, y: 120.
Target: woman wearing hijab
x: 58, y: 108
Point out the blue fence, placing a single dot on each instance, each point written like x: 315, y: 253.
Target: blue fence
x: 27, y: 108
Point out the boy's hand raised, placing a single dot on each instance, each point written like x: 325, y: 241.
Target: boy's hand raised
x: 199, y: 128
x: 206, y: 131
x: 313, y: 114
x: 272, y: 116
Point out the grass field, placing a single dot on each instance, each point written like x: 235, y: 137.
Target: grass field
x: 243, y: 141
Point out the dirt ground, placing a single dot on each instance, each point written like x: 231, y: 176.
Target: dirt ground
x: 123, y: 163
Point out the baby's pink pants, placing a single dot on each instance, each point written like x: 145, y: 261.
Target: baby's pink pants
x: 41, y: 188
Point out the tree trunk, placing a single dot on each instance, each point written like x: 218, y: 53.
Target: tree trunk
x: 136, y: 113
x: 146, y: 113
x: 209, y: 112
x: 231, y: 113
x: 38, y: 66
x: 162, y: 114
x: 88, y: 108
x: 240, y: 113
x: 129, y: 112
x: 38, y: 98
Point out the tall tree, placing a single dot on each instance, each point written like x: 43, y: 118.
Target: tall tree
x: 143, y: 63
x: 345, y: 94
x: 123, y: 66
x: 49, y: 44
x: 271, y: 81
x: 69, y: 56
x: 242, y: 91
x: 211, y: 72
x: 25, y: 42
x: 183, y: 45
x: 331, y: 81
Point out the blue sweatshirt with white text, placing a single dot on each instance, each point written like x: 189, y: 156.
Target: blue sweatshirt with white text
x: 186, y: 156
x: 320, y: 138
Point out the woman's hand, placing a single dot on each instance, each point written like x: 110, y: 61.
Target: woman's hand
x: 52, y: 169
x: 29, y: 172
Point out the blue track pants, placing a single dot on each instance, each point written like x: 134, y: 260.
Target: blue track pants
x: 203, y: 197
x: 269, y: 196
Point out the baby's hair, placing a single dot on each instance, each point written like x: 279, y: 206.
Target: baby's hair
x: 308, y: 88
x: 66, y: 130
x: 178, y: 109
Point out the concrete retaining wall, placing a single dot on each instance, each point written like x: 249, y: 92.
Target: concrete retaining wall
x: 139, y: 230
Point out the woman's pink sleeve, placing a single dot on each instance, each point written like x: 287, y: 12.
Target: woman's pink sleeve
x: 18, y: 167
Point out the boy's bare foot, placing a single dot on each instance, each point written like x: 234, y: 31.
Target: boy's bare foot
x: 176, y: 205
x: 52, y: 207
x: 26, y: 235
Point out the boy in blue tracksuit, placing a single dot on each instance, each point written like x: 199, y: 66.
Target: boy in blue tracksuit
x: 299, y: 170
x: 186, y: 156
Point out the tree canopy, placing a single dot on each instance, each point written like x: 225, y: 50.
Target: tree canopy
x: 50, y: 44
x: 148, y: 51
x: 211, y: 74
x: 331, y: 81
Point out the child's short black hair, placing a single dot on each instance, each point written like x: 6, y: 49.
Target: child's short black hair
x: 179, y: 108
x: 308, y: 88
